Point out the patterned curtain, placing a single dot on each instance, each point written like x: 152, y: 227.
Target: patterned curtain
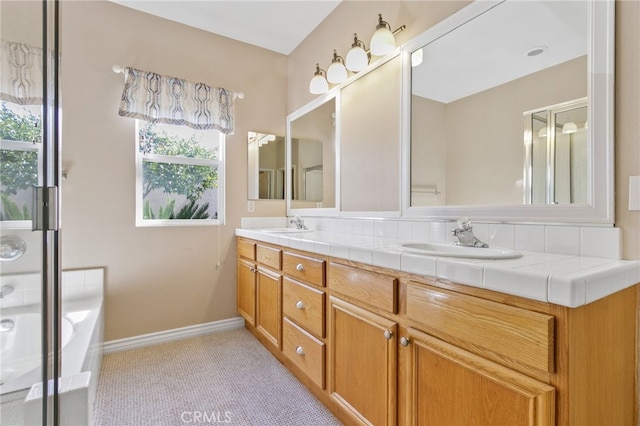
x: 161, y: 99
x: 20, y: 73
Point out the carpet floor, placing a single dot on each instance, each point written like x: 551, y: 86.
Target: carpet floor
x: 227, y: 378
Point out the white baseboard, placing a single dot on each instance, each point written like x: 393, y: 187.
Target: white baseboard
x: 171, y: 335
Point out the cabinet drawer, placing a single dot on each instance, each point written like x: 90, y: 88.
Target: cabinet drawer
x: 492, y: 329
x: 304, y: 305
x: 376, y: 290
x: 268, y: 256
x: 247, y: 249
x: 308, y: 269
x: 307, y: 352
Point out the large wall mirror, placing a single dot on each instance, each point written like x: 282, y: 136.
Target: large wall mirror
x: 312, y: 143
x: 508, y: 113
x: 265, y: 166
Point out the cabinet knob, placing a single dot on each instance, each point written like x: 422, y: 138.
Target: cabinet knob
x: 388, y: 334
x: 300, y: 267
x: 404, y: 341
x: 299, y: 350
x: 300, y: 305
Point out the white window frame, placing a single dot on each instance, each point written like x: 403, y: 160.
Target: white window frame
x: 141, y: 157
x: 27, y: 147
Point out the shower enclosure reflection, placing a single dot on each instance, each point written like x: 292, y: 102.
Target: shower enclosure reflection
x: 556, y: 164
x: 266, y: 166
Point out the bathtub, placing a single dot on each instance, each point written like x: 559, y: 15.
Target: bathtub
x: 81, y: 342
x: 20, y: 350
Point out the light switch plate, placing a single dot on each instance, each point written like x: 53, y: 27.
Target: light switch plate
x: 251, y: 206
x: 634, y: 193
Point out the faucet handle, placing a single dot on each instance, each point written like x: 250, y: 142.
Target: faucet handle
x: 464, y: 223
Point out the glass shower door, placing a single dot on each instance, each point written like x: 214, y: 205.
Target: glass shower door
x: 29, y: 236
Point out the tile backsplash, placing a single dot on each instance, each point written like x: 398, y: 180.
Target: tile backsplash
x: 590, y: 241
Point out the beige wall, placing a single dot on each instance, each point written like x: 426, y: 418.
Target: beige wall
x: 370, y: 141
x: 157, y: 278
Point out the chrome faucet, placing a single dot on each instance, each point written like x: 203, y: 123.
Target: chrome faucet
x: 465, y: 236
x: 298, y: 222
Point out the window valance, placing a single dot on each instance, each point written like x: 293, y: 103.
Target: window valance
x: 20, y: 73
x: 162, y: 99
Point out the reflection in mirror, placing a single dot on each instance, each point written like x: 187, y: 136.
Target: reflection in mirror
x: 266, y: 166
x: 556, y: 169
x: 471, y: 89
x: 470, y: 78
x: 311, y: 150
x: 306, y: 170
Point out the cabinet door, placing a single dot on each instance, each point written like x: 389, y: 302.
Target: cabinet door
x: 246, y: 298
x: 454, y: 387
x: 363, y: 363
x: 269, y: 305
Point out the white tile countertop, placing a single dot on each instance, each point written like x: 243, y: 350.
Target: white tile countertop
x: 560, y: 279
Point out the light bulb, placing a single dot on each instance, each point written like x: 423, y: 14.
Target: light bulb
x: 357, y: 59
x: 569, y: 127
x: 382, y: 42
x: 336, y: 73
x: 318, y: 83
x: 543, y: 132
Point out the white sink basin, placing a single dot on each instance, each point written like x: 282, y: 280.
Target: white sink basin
x: 284, y: 230
x: 450, y: 250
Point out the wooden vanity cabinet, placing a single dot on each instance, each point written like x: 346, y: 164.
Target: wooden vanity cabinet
x: 281, y: 295
x: 259, y: 288
x: 466, y: 353
x: 363, y: 344
x: 362, y: 365
x: 455, y: 387
x: 382, y: 347
x: 246, y: 287
x: 269, y: 305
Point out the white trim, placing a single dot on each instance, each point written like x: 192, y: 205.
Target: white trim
x: 172, y: 335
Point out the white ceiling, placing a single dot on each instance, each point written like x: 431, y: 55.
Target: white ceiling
x: 275, y: 25
x: 491, y: 49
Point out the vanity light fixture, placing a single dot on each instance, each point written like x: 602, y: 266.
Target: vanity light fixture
x: 357, y: 57
x: 382, y: 42
x: 569, y: 127
x: 319, y: 82
x: 336, y: 73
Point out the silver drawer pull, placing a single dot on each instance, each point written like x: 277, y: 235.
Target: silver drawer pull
x: 299, y: 350
x: 388, y: 334
x: 299, y: 267
x: 300, y: 305
x: 404, y: 341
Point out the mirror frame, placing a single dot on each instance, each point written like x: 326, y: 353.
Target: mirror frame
x: 332, y: 95
x: 600, y: 92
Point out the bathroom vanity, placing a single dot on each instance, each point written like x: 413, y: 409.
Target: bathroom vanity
x: 384, y: 346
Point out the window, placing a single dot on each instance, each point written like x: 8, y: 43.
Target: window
x: 20, y: 160
x: 179, y: 175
